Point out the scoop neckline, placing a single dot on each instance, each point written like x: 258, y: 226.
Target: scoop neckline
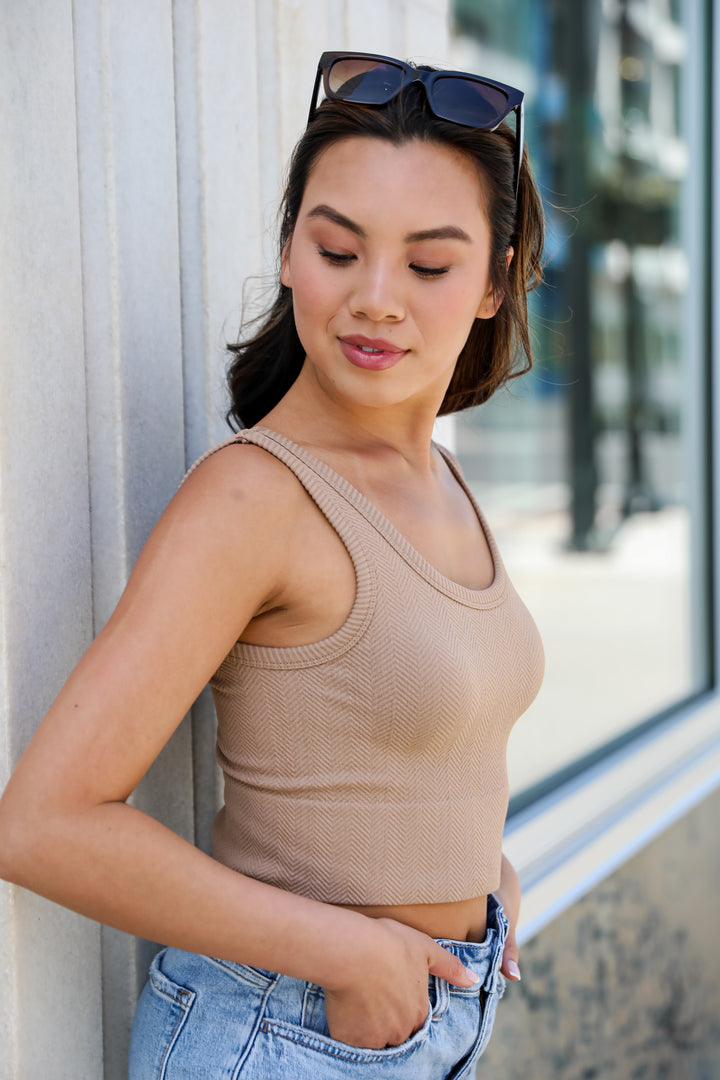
x: 485, y: 597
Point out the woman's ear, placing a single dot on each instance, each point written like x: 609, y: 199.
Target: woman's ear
x: 493, y: 299
x: 489, y: 304
x: 285, y: 275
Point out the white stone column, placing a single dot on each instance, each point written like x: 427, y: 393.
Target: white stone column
x: 127, y: 166
x: 142, y: 149
x: 49, y: 958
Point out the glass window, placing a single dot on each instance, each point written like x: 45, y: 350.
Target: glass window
x: 593, y: 468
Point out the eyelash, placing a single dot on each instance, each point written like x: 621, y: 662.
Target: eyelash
x: 428, y: 272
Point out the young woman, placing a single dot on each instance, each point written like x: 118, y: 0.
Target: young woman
x: 329, y: 572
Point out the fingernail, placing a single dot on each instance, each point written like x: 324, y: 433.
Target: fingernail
x: 472, y: 976
x: 513, y: 970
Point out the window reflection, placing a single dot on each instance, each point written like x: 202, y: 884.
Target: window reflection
x: 592, y: 469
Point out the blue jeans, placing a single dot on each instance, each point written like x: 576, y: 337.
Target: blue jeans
x: 204, y: 1019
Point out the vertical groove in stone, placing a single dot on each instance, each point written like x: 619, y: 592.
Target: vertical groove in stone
x: 186, y: 48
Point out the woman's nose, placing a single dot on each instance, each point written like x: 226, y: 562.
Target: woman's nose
x: 377, y: 295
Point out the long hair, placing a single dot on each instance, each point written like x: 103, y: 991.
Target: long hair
x: 264, y: 365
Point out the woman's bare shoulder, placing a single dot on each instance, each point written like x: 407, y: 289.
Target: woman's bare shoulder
x: 242, y: 478
x: 225, y: 533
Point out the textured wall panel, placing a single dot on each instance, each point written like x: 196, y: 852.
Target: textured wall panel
x: 220, y: 195
x: 301, y: 37
x: 369, y: 27
x: 336, y: 31
x: 143, y: 146
x: 131, y: 279
x: 425, y: 31
x: 44, y: 525
x: 267, y: 119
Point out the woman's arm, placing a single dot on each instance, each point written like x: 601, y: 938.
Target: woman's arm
x: 217, y: 557
x: 509, y: 896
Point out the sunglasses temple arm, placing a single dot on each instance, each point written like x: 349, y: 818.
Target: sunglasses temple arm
x: 316, y: 88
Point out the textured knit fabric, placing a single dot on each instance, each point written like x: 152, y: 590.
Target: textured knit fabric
x: 370, y: 767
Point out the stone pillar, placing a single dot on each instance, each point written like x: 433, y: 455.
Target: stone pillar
x: 142, y: 149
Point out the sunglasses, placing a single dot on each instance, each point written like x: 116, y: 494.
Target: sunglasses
x: 368, y: 79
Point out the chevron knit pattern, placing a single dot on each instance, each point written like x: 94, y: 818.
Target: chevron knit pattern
x: 370, y: 767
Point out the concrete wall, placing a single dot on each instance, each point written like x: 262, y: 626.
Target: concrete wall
x: 142, y: 145
x: 626, y: 984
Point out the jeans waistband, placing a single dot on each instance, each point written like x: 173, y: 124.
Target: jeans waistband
x: 483, y: 957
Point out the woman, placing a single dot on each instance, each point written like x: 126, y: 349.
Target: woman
x: 328, y: 571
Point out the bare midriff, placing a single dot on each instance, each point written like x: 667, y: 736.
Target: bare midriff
x: 461, y: 920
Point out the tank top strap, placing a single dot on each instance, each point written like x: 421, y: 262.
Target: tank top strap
x: 317, y: 479
x: 349, y: 512
x: 314, y: 475
x: 322, y: 484
x: 213, y: 450
x: 326, y: 488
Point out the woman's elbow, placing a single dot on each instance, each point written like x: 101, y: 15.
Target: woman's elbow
x: 17, y: 830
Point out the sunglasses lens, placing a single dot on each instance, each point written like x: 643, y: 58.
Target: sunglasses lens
x: 465, y: 101
x: 365, y: 82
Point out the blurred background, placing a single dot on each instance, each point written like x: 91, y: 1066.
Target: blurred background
x: 593, y: 468
x: 595, y: 471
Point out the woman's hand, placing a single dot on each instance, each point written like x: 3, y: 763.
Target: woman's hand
x: 386, y: 999
x: 509, y: 896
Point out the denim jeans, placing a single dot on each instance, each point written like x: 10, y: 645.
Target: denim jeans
x: 199, y: 1018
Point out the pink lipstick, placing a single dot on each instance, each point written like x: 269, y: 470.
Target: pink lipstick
x: 373, y: 354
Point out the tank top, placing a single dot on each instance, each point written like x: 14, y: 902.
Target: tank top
x: 370, y: 767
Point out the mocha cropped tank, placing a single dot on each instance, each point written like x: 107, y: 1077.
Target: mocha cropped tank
x: 370, y: 767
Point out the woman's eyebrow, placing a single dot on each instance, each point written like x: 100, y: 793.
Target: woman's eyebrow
x: 443, y: 232
x: 337, y: 218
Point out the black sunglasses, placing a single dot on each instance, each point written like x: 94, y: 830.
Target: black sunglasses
x: 462, y: 98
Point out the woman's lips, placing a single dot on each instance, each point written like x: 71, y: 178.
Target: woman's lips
x: 374, y: 354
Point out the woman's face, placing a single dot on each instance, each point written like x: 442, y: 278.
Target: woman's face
x: 389, y: 268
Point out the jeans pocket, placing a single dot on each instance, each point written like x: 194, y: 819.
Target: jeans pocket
x: 255, y: 976
x: 312, y: 1039
x: 161, y: 1013
x: 313, y: 1010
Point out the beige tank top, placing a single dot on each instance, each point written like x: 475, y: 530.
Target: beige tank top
x: 370, y: 767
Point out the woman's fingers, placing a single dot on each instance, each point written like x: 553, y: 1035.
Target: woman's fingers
x: 447, y: 966
x: 386, y: 1004
x: 510, y: 966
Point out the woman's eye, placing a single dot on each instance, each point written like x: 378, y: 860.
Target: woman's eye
x: 429, y: 271
x: 335, y: 257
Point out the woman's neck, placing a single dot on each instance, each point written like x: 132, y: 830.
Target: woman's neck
x: 310, y: 416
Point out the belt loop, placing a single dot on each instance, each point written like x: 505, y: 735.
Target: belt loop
x: 309, y: 1004
x: 442, y: 996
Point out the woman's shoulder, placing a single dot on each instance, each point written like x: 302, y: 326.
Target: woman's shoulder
x: 227, y: 530
x: 241, y: 471
x: 241, y: 477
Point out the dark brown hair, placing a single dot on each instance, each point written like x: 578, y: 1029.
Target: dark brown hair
x: 265, y: 365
